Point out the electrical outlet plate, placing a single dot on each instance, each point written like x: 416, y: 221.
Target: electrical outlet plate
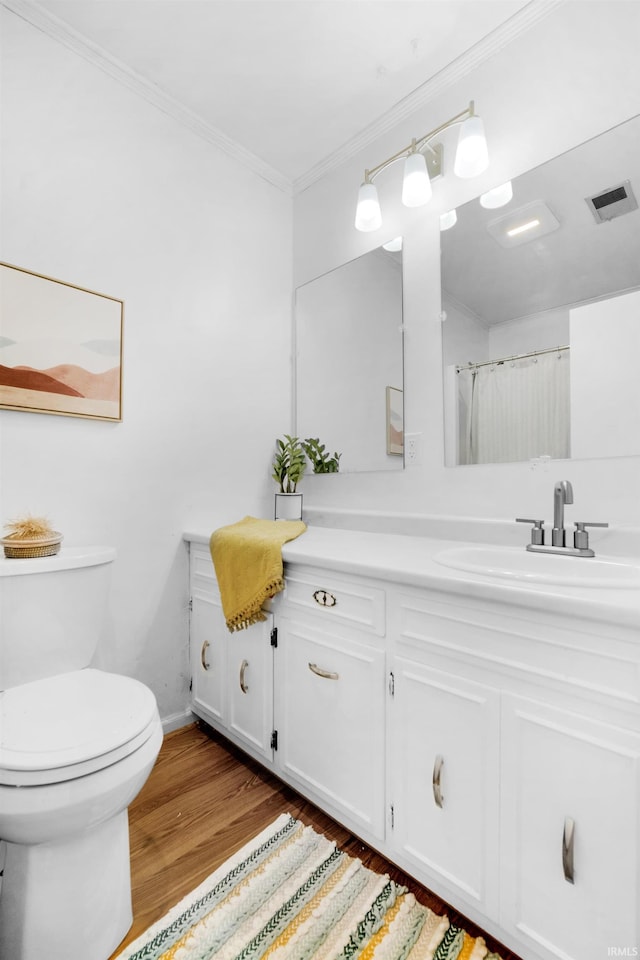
x: 412, y: 449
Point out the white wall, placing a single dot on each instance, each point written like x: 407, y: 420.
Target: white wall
x: 537, y: 332
x: 101, y: 189
x: 605, y: 387
x: 568, y: 78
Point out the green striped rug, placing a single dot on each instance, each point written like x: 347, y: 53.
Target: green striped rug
x: 291, y: 894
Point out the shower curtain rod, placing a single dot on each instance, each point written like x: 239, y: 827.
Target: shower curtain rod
x: 519, y: 356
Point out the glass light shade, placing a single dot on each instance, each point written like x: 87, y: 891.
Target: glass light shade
x: 393, y: 246
x: 416, y: 185
x: 368, y: 215
x: 497, y: 197
x: 448, y: 220
x: 472, y: 156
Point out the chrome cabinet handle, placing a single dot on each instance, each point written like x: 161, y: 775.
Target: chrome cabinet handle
x: 325, y: 674
x: 568, y: 835
x: 203, y: 653
x: 243, y: 667
x: 324, y: 598
x: 437, y: 773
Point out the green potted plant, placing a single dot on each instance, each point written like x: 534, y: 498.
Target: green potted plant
x: 289, y: 465
x: 319, y: 457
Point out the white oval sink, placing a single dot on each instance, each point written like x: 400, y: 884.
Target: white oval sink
x: 512, y: 563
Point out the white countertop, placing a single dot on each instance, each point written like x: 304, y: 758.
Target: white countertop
x: 409, y: 560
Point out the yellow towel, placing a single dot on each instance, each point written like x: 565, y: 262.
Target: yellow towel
x: 247, y: 557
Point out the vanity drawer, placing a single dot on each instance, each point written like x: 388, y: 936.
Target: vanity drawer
x: 574, y: 656
x: 201, y: 570
x: 335, y: 599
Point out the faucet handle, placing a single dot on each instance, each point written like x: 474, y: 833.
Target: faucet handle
x: 537, y: 530
x: 581, y: 537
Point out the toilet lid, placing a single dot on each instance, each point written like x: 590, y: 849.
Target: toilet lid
x: 69, y: 725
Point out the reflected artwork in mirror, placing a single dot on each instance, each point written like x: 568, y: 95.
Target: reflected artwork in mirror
x: 349, y: 351
x: 540, y: 300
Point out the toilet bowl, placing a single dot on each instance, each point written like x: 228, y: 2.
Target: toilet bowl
x: 76, y: 747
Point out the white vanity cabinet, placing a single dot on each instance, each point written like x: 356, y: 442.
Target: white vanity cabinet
x: 570, y: 817
x: 487, y: 740
x: 444, y: 778
x: 330, y: 696
x: 529, y: 738
x: 231, y: 673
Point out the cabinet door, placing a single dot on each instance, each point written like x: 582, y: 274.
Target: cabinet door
x: 330, y: 716
x: 570, y: 841
x: 250, y: 686
x: 208, y: 661
x: 444, y: 779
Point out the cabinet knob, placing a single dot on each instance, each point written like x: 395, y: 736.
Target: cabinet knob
x: 243, y: 667
x: 437, y: 787
x: 568, y: 835
x: 325, y: 674
x: 324, y: 598
x: 203, y: 653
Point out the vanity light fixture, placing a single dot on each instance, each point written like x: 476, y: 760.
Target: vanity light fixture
x: 422, y: 163
x: 448, y: 220
x: 498, y: 197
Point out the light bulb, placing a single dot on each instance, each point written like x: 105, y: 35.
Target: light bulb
x: 368, y: 215
x: 497, y: 197
x: 472, y: 156
x: 448, y: 220
x: 416, y: 185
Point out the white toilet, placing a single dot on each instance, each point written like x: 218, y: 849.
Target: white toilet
x: 76, y: 746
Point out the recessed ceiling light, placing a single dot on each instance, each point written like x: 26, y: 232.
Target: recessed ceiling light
x: 527, y: 223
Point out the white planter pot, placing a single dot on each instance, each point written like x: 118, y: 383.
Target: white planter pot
x: 288, y: 506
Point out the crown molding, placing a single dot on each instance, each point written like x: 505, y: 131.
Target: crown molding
x: 57, y: 29
x: 516, y: 25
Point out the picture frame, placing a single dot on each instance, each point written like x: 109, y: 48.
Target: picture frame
x: 395, y: 422
x: 60, y: 347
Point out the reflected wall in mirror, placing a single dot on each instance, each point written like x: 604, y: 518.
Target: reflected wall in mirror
x: 349, y: 349
x: 542, y: 299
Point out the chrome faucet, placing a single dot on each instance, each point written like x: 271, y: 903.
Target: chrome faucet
x: 562, y: 493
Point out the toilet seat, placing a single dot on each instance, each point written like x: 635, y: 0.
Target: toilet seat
x: 70, y: 725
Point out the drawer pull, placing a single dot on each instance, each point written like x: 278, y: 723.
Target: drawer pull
x: 243, y: 666
x: 437, y: 788
x: 203, y: 653
x: 324, y: 598
x: 568, y: 835
x: 325, y: 674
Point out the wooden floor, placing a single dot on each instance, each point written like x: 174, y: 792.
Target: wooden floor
x: 202, y: 802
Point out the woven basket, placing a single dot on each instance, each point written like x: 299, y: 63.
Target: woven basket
x: 37, y: 547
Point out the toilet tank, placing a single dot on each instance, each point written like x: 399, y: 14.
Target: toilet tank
x: 52, y: 612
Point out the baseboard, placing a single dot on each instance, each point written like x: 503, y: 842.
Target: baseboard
x: 176, y: 720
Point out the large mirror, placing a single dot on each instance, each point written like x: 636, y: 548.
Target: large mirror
x: 541, y: 311
x: 349, y: 361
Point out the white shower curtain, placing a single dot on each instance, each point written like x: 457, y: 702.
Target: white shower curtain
x: 515, y: 409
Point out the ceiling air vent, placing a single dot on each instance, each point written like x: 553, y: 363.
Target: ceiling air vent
x: 613, y: 202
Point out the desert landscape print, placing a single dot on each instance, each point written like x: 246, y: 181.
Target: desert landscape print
x: 60, y: 347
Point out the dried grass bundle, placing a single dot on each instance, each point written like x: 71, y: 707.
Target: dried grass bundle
x: 29, y: 528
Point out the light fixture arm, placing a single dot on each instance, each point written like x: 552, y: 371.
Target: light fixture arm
x: 418, y: 144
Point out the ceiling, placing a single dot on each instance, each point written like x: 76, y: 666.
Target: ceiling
x: 292, y: 84
x: 581, y: 260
